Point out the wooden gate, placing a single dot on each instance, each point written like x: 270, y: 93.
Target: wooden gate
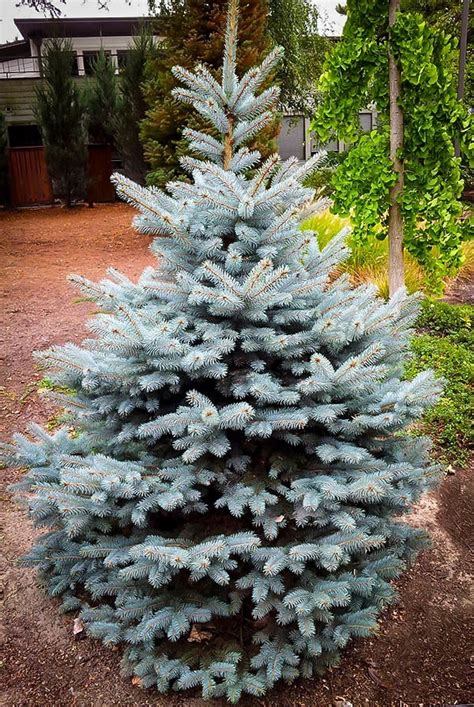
x: 99, y: 186
x: 28, y: 177
x: 30, y: 184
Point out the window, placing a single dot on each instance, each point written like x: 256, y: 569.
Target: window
x: 89, y: 59
x: 24, y: 136
x: 122, y: 57
x: 365, y: 122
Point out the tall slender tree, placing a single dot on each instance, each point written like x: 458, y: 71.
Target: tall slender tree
x: 132, y: 106
x: 396, y: 277
x: 402, y: 179
x: 60, y: 111
x: 102, y: 99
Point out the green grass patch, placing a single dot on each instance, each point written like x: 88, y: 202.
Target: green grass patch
x: 451, y: 320
x: 445, y: 345
x: 48, y: 384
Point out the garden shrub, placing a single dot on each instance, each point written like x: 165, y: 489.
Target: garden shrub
x: 449, y: 352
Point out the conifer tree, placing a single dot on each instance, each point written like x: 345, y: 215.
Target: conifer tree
x: 192, y: 33
x: 102, y: 99
x: 132, y: 106
x: 60, y: 112
x: 228, y: 505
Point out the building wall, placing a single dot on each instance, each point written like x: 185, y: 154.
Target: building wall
x: 20, y: 76
x: 296, y: 140
x: 17, y: 99
x: 28, y: 67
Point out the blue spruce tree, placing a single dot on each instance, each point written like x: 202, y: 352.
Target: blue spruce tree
x: 228, y: 506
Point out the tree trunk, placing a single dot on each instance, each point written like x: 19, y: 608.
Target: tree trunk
x: 462, y: 61
x: 396, y: 275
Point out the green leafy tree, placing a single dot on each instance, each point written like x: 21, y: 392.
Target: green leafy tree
x: 446, y: 15
x: 102, y: 98
x: 132, y: 107
x: 60, y: 110
x: 418, y: 178
x: 293, y: 25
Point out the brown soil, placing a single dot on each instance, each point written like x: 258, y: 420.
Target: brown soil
x: 421, y: 655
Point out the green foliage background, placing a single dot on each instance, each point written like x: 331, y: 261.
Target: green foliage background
x: 446, y: 344
x: 355, y: 76
x: 293, y: 25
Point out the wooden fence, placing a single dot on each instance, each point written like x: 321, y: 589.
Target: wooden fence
x: 28, y: 177
x: 30, y: 183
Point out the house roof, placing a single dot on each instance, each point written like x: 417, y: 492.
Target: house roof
x: 80, y: 26
x: 15, y: 50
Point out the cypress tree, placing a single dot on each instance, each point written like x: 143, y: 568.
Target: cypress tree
x: 102, y: 99
x: 60, y: 109
x: 229, y: 504
x: 132, y: 106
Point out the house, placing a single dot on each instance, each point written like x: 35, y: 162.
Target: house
x: 20, y: 63
x: 20, y: 74
x: 296, y: 138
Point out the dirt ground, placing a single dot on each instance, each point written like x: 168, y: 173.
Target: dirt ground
x: 421, y: 655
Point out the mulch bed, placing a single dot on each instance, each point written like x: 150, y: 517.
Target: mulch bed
x: 421, y: 655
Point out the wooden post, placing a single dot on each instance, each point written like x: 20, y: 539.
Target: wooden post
x: 396, y: 275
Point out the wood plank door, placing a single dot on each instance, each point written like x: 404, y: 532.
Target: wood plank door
x: 29, y: 180
x: 99, y: 187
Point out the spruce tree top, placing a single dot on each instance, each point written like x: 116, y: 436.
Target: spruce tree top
x: 228, y: 504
